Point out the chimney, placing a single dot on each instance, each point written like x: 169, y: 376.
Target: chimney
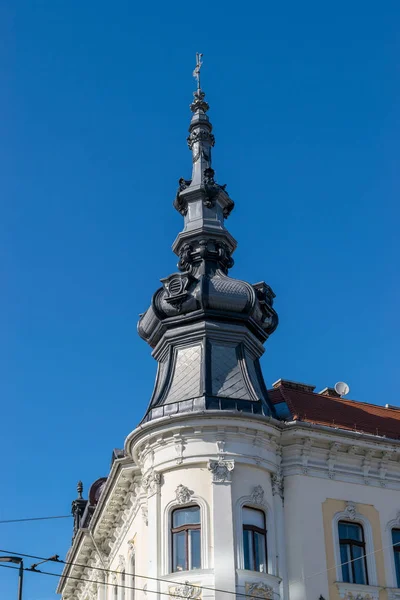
x: 328, y: 391
x: 293, y: 385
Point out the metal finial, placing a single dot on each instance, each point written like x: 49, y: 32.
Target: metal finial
x: 79, y: 489
x: 196, y: 72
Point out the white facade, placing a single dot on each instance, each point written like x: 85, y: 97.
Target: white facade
x: 304, y: 478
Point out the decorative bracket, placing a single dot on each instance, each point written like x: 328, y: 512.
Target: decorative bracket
x: 221, y: 470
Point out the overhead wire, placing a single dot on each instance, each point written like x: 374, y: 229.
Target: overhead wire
x: 171, y: 582
x: 35, y: 519
x: 68, y: 563
x: 110, y: 583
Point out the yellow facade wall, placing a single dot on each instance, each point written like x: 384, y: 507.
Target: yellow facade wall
x: 329, y: 508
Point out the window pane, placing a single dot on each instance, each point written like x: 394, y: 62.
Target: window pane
x: 344, y: 559
x: 350, y: 531
x: 396, y: 537
x: 186, y: 516
x: 248, y: 550
x: 179, y: 551
x: 195, y: 549
x: 397, y: 566
x: 261, y: 559
x: 253, y: 517
x: 359, y: 565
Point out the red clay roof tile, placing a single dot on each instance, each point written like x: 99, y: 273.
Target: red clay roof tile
x: 338, y: 412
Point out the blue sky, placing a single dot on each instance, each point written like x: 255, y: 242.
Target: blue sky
x: 95, y: 108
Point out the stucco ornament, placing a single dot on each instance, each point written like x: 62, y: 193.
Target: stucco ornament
x: 145, y: 515
x: 183, y: 494
x: 357, y: 596
x: 350, y: 511
x: 221, y: 470
x: 151, y: 482
x: 259, y: 590
x: 277, y: 482
x: 257, y: 496
x: 186, y: 590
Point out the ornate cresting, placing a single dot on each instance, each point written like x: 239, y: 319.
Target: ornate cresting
x: 207, y: 329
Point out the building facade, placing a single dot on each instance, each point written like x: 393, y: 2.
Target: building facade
x: 226, y: 489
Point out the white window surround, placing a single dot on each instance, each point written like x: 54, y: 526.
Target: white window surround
x: 271, y: 540
x: 166, y: 560
x: 369, y: 546
x: 393, y: 524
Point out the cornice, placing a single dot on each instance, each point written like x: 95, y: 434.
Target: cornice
x: 333, y: 457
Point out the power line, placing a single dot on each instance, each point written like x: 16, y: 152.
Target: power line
x: 165, y: 580
x: 203, y: 587
x: 119, y: 585
x: 35, y: 519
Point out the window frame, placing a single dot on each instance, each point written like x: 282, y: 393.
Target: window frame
x: 254, y: 529
x: 186, y: 528
x: 395, y: 551
x: 369, y: 544
x: 351, y: 543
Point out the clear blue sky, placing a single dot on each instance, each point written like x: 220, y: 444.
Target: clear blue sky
x: 304, y: 100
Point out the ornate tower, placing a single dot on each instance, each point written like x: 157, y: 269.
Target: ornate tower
x: 206, y: 328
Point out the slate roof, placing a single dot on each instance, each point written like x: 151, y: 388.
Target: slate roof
x: 298, y: 402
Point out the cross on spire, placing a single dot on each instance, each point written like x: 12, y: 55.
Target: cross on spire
x: 196, y: 72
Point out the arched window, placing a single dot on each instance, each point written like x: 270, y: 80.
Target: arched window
x: 254, y: 540
x: 352, y: 553
x: 396, y: 551
x: 186, y: 538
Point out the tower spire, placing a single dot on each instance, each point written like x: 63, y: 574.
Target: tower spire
x: 201, y: 139
x: 206, y: 328
x: 201, y: 200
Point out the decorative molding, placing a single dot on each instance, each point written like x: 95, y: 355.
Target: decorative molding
x: 151, y: 483
x: 121, y: 562
x: 357, y: 596
x: 277, y: 481
x: 383, y: 468
x: 332, y: 456
x: 350, y: 511
x: 257, y: 495
x: 220, y: 446
x: 259, y: 589
x: 221, y: 470
x: 305, y: 454
x: 179, y: 448
x: 185, y: 590
x: 395, y: 522
x: 354, y: 591
x: 145, y: 514
x: 366, y: 466
x: 183, y: 494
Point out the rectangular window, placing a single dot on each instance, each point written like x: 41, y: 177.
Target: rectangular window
x: 186, y: 539
x: 396, y: 551
x: 352, y: 553
x: 254, y: 540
